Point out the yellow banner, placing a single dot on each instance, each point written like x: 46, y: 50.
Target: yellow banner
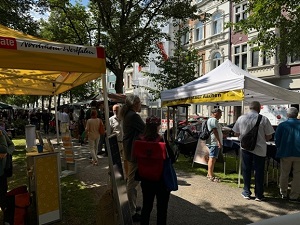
x: 237, y: 95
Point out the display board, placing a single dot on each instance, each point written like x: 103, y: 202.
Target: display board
x: 202, y: 153
x: 118, y: 181
x: 44, y: 185
x: 275, y: 113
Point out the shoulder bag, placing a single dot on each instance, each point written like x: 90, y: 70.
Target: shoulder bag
x: 169, y: 174
x: 101, y: 127
x: 248, y: 141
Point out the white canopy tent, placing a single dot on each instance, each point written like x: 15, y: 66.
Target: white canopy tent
x: 229, y: 85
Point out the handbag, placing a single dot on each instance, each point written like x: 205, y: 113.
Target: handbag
x: 169, y: 174
x: 101, y: 128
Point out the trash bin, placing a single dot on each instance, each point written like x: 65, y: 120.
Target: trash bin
x: 30, y: 136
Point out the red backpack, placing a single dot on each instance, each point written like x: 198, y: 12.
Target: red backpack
x: 150, y: 156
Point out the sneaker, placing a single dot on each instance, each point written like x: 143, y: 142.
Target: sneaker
x: 136, y: 218
x: 258, y: 199
x: 245, y: 196
x: 283, y: 196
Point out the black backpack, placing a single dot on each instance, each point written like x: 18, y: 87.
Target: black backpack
x: 204, y: 133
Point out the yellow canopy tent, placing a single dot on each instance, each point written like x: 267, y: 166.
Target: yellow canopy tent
x: 31, y: 66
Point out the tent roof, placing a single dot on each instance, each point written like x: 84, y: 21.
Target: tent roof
x: 32, y: 66
x: 229, y: 85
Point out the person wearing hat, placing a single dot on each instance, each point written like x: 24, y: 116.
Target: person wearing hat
x: 215, y: 142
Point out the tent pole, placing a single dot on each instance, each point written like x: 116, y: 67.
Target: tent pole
x: 168, y: 125
x: 106, y: 107
x: 240, y: 161
x: 56, y: 118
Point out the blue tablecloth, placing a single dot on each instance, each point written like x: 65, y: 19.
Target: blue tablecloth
x: 231, y: 145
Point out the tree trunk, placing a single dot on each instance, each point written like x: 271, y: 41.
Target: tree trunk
x: 119, y: 85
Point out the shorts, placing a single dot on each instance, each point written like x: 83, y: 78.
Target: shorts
x: 214, y: 151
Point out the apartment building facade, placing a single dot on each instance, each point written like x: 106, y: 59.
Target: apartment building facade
x: 216, y: 43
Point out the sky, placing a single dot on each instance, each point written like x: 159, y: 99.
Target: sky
x: 83, y: 2
x: 38, y: 16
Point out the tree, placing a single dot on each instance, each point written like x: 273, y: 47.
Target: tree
x: 128, y: 29
x: 177, y: 69
x: 69, y: 23
x: 16, y: 14
x: 277, y: 24
x: 132, y: 29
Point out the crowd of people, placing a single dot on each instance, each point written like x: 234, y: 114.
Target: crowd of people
x: 127, y: 124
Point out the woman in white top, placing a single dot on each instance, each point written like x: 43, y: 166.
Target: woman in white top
x: 92, y: 130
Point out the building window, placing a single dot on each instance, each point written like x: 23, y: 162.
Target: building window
x: 185, y: 39
x: 255, y: 58
x: 240, y: 56
x: 199, y: 31
x: 111, y: 85
x: 295, y: 58
x: 266, y: 59
x: 216, y: 60
x: 217, y: 23
x: 200, y: 68
x: 129, y: 80
x: 240, y: 12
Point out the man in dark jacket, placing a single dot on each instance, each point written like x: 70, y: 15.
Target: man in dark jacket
x: 133, y: 126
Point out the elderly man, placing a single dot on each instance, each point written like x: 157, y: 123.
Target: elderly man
x: 133, y: 126
x: 254, y: 159
x: 115, y: 127
x: 287, y: 138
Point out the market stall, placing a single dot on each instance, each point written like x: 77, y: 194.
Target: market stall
x: 32, y: 66
x: 229, y: 85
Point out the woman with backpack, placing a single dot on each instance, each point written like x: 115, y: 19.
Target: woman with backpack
x: 152, y: 189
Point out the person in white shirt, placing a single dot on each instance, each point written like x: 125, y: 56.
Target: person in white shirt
x: 254, y: 160
x: 64, y: 121
x: 115, y: 127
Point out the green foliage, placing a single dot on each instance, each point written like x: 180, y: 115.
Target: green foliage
x: 16, y: 14
x: 178, y: 69
x: 18, y: 100
x: 128, y: 29
x: 19, y: 126
x: 277, y: 24
x: 67, y: 23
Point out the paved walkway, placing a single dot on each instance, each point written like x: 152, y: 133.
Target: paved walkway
x: 198, y: 201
